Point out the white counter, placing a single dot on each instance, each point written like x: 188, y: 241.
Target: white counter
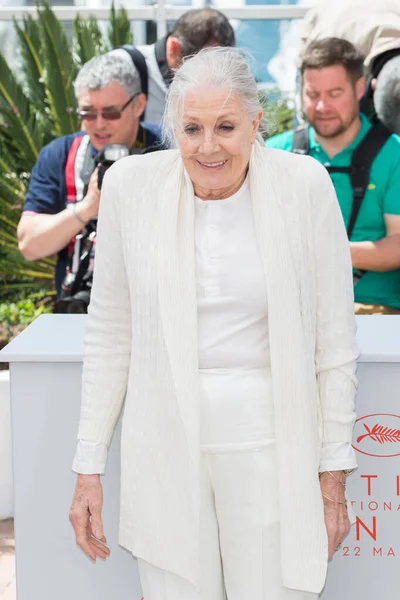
x: 45, y: 367
x: 45, y: 373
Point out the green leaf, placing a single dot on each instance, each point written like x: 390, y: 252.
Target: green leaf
x: 87, y: 40
x: 17, y: 110
x: 278, y: 110
x: 10, y: 190
x: 32, y: 62
x: 119, y: 32
x: 59, y: 73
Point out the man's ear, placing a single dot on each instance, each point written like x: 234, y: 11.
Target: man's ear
x: 173, y: 52
x: 360, y: 88
x: 140, y: 105
x: 373, y: 84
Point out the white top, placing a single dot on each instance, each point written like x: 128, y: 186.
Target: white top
x: 231, y: 290
x: 232, y: 309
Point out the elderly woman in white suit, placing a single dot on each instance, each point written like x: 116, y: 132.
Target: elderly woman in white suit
x: 221, y: 317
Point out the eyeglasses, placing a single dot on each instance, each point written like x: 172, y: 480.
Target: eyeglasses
x: 112, y: 114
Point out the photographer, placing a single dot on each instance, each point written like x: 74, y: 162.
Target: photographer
x: 64, y: 195
x: 194, y: 30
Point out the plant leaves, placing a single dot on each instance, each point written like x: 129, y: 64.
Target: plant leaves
x: 119, y: 32
x: 59, y: 73
x: 17, y: 110
x: 87, y: 40
x: 32, y: 62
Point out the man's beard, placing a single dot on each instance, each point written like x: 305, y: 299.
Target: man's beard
x: 340, y: 129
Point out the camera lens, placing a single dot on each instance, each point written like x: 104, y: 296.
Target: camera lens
x: 77, y: 304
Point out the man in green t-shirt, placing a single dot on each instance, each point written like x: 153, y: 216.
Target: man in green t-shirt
x: 332, y: 85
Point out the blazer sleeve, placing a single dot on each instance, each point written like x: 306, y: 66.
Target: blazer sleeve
x: 107, y: 344
x: 336, y: 346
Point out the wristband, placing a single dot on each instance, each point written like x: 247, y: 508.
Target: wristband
x: 72, y: 206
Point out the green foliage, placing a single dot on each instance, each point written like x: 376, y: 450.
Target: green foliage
x: 31, y: 51
x: 119, y: 32
x: 88, y: 40
x: 59, y: 73
x: 37, y: 104
x: 13, y: 315
x: 279, y: 111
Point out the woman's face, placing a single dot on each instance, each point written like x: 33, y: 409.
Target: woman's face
x: 215, y: 140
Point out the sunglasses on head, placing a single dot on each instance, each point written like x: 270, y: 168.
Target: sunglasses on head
x: 112, y: 114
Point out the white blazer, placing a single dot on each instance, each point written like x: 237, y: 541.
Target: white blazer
x: 141, y: 347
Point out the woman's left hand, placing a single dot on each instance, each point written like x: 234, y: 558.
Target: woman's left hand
x: 336, y: 519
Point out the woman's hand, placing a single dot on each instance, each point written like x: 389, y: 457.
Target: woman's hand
x: 336, y: 519
x: 85, y: 516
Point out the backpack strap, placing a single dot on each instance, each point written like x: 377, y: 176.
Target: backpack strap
x: 70, y: 169
x: 140, y: 63
x: 359, y: 170
x: 78, y: 155
x: 301, y: 140
x: 363, y: 157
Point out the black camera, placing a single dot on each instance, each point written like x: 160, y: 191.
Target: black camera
x: 106, y: 157
x: 78, y: 281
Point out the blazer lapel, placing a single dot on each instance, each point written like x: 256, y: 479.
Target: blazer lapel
x: 177, y: 295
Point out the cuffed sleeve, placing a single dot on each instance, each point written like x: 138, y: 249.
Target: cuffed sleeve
x: 90, y: 458
x: 336, y: 457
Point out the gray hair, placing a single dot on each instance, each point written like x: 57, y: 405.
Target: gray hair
x: 102, y: 70
x: 212, y: 67
x: 387, y: 95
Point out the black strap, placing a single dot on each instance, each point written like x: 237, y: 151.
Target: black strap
x: 359, y: 170
x: 332, y: 169
x: 301, y: 140
x: 361, y: 163
x: 160, y: 51
x: 140, y: 63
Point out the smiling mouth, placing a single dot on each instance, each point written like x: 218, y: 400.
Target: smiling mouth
x: 213, y: 165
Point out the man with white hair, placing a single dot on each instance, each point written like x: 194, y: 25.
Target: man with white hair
x: 374, y: 27
x: 64, y: 195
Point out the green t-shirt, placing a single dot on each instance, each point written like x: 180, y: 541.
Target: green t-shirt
x: 382, y: 197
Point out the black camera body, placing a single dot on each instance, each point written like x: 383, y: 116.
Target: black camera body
x: 106, y: 157
x: 78, y: 281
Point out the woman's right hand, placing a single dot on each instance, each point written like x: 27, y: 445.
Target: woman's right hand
x: 85, y: 516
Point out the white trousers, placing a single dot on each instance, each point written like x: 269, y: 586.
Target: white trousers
x: 239, y: 518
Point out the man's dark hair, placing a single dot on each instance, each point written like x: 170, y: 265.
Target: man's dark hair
x: 203, y: 27
x: 334, y: 51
